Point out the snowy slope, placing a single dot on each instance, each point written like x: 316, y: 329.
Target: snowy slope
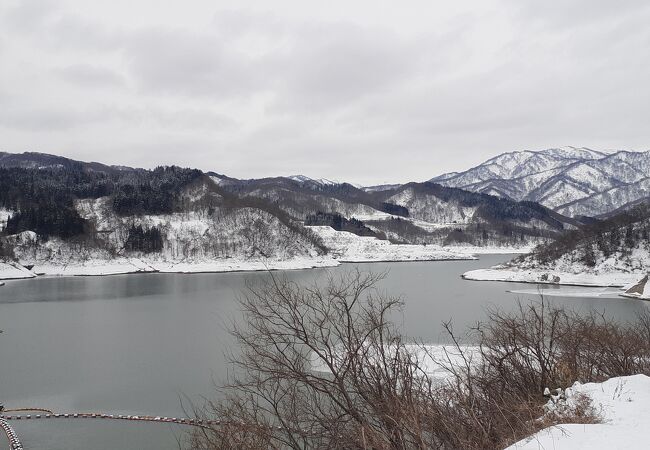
x: 608, y: 201
x: 197, y: 234
x: 515, y: 165
x: 10, y: 271
x: 348, y: 247
x: 202, y: 236
x: 615, y: 270
x: 432, y: 209
x: 573, y: 181
x: 615, y: 256
x: 623, y: 402
x: 640, y: 290
x: 306, y: 179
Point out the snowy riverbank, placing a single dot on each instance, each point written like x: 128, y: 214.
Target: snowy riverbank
x: 546, y: 276
x: 624, y: 405
x: 620, y: 269
x: 14, y: 271
x: 344, y: 247
x: 348, y: 247
x: 135, y: 265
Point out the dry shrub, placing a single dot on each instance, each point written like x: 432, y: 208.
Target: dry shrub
x: 372, y: 389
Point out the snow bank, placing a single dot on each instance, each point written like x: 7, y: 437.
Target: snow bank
x: 99, y: 267
x: 240, y: 265
x: 12, y: 271
x: 490, y: 249
x: 570, y: 291
x: 619, y: 269
x: 547, y: 276
x: 639, y: 290
x: 623, y: 402
x: 348, y: 247
x: 93, y: 267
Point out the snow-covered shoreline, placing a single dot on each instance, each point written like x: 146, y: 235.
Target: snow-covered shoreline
x: 378, y: 253
x: 124, y: 266
x: 546, y: 276
x: 14, y: 271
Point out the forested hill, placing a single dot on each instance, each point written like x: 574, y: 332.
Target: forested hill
x: 623, y: 239
x: 64, y: 204
x: 70, y: 211
x: 43, y: 199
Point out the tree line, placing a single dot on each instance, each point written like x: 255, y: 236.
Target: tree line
x: 43, y: 199
x: 619, y: 234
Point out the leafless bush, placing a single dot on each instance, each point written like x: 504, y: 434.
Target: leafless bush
x: 366, y: 392
x: 324, y: 367
x: 596, y: 347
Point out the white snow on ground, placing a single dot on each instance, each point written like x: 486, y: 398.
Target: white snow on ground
x: 569, y: 291
x: 348, y: 247
x: 430, y: 208
x: 93, y: 267
x: 245, y: 239
x: 623, y: 402
x: 639, y: 290
x: 142, y: 265
x: 366, y: 216
x: 237, y: 265
x: 616, y: 270
x: 55, y: 258
x: 10, y: 271
x: 489, y: 249
x: 546, y: 276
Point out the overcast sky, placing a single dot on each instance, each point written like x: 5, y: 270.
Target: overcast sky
x: 365, y: 91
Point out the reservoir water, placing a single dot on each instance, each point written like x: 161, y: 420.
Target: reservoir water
x: 149, y: 343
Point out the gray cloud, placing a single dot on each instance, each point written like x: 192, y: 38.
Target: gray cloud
x: 89, y: 75
x: 49, y: 119
x: 186, y: 63
x: 369, y: 91
x: 342, y: 63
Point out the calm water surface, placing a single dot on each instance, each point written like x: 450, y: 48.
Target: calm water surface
x: 138, y: 344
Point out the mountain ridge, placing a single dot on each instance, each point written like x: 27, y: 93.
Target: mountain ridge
x: 53, y: 208
x: 566, y: 179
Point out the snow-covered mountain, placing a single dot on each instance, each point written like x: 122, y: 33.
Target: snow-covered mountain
x: 413, y: 213
x: 572, y: 181
x: 59, y: 215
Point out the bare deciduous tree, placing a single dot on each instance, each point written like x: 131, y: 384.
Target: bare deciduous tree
x: 325, y: 367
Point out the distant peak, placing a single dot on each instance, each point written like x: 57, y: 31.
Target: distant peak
x: 306, y: 179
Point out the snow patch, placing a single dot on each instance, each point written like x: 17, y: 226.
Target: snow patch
x: 545, y: 276
x: 5, y: 214
x: 348, y: 247
x: 624, y: 403
x: 12, y: 271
